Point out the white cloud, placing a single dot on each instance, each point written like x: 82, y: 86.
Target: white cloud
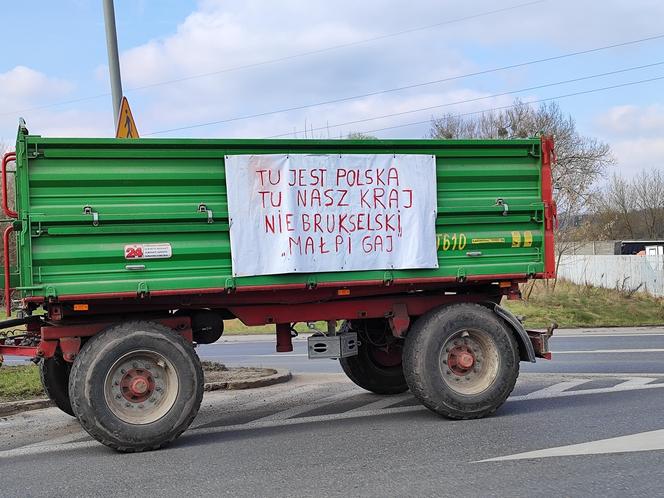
x: 230, y: 34
x: 72, y: 123
x: 636, y: 136
x: 633, y: 120
x: 27, y: 90
x: 22, y: 86
x: 638, y: 154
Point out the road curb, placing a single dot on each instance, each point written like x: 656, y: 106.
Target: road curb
x: 13, y: 407
x: 279, y: 376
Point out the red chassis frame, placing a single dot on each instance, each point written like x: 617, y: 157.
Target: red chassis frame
x: 399, y: 302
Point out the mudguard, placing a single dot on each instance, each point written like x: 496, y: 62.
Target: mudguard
x: 526, y: 350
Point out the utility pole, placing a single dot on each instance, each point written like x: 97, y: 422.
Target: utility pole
x: 113, y: 59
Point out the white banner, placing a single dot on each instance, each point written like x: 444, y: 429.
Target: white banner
x: 318, y: 213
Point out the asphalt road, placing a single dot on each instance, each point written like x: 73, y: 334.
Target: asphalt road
x: 588, y: 423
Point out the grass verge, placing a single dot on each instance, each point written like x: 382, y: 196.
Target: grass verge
x: 236, y: 327
x: 20, y: 382
x: 572, y: 306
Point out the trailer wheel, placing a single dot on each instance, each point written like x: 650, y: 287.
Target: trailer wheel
x: 136, y: 386
x: 377, y: 365
x: 54, y: 376
x: 207, y: 327
x: 461, y: 361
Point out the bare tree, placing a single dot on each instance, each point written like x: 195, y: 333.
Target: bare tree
x: 629, y: 209
x: 581, y: 160
x: 356, y: 135
x: 648, y: 191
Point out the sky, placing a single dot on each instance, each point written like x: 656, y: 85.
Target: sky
x: 263, y: 68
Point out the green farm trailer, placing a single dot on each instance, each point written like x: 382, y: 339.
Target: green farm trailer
x: 122, y: 255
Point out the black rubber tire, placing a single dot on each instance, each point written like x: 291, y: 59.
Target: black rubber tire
x: 54, y: 375
x: 422, y: 361
x: 95, y: 360
x: 363, y: 369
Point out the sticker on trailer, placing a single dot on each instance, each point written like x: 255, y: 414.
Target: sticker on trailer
x: 148, y: 251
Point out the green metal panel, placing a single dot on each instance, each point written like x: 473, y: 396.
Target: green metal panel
x: 149, y: 190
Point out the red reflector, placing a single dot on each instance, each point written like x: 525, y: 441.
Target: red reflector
x: 343, y: 292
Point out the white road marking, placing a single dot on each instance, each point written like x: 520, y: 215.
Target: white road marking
x: 275, y: 354
x: 545, y: 394
x: 385, y: 402
x: 616, y: 375
x: 607, y: 351
x: 257, y: 424
x: 554, y: 389
x: 591, y: 335
x: 42, y: 445
x: 633, y: 382
x: 296, y: 410
x: 42, y: 450
x: 285, y: 394
x: 644, y: 441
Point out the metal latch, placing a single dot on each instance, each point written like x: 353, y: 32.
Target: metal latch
x: 95, y: 215
x: 202, y: 208
x: 501, y: 202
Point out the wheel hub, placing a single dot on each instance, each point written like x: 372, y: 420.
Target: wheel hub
x: 469, y: 361
x: 466, y: 359
x: 137, y: 385
x: 461, y: 359
x: 141, y: 387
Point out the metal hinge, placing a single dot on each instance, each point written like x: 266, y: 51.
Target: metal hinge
x: 142, y: 290
x: 230, y: 285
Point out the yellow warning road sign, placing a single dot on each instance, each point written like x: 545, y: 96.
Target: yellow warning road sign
x: 126, y: 126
